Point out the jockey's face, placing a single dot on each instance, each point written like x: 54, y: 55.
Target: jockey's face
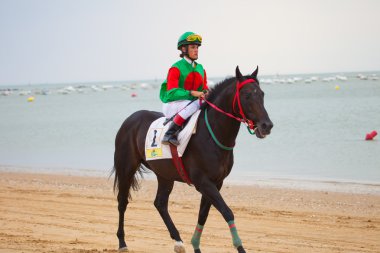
x: 192, y: 51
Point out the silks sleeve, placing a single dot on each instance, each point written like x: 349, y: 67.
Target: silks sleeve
x: 205, y: 87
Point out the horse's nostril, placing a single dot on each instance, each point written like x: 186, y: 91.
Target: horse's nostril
x: 267, y: 126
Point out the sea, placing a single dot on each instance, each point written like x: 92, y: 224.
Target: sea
x: 318, y: 138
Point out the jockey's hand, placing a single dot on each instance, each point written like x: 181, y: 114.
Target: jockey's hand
x: 198, y: 94
x: 206, y: 93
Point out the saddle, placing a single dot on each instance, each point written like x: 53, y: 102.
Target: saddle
x: 155, y: 150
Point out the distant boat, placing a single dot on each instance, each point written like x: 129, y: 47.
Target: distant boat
x: 314, y: 78
x: 290, y: 80
x: 70, y: 89
x: 266, y: 81
x: 124, y: 87
x: 308, y: 80
x: 25, y: 92
x: 329, y: 79
x: 107, y: 87
x: 144, y: 86
x: 374, y: 77
x: 341, y: 78
x: 95, y: 88
x: 63, y: 91
x: 362, y: 77
x: 6, y: 93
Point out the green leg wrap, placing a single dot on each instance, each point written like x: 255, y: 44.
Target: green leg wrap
x: 196, y: 239
x: 235, y: 237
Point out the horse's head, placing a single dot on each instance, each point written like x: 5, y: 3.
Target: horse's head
x: 251, y: 99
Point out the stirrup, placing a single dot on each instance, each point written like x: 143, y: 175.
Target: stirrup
x: 173, y: 140
x: 166, y: 140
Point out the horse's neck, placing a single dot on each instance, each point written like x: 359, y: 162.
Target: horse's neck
x: 225, y: 128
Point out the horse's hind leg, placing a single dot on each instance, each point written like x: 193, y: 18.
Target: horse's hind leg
x: 165, y: 187
x: 125, y: 168
x: 204, y: 209
x: 122, y: 199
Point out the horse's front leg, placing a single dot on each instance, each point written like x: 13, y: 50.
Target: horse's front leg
x: 164, y: 189
x: 204, y: 209
x: 211, y: 192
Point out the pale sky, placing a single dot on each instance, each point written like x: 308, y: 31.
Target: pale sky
x: 54, y: 41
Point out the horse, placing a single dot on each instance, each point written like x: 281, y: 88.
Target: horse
x: 208, y: 158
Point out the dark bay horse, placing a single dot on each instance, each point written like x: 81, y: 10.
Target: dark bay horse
x: 207, y: 163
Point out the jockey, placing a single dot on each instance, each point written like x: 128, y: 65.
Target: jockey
x: 185, y: 83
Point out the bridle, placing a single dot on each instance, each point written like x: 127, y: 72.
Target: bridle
x: 250, y: 124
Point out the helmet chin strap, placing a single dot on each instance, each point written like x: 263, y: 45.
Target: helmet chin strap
x: 186, y: 53
x: 192, y: 60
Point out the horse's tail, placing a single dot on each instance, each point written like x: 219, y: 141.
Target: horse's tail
x: 126, y: 164
x: 132, y: 181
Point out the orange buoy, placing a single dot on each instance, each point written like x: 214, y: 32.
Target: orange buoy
x: 133, y: 95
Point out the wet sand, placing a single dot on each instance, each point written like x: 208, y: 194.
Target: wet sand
x: 60, y: 213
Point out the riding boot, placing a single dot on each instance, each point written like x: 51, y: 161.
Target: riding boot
x: 171, y: 135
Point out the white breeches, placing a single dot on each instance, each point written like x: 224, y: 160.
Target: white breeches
x: 181, y: 106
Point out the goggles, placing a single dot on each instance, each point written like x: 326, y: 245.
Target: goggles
x: 193, y: 38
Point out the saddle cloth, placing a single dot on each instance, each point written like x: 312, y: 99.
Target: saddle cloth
x: 155, y: 150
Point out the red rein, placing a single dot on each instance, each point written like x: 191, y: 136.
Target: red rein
x: 249, y: 123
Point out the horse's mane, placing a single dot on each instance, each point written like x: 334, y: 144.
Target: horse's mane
x: 219, y: 88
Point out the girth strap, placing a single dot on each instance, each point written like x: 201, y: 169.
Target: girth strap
x: 178, y: 164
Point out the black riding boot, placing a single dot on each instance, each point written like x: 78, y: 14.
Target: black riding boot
x: 171, y: 135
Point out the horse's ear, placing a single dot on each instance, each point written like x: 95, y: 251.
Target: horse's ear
x: 239, y: 76
x: 254, y: 74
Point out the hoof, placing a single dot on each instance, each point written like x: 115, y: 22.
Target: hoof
x: 241, y: 249
x: 124, y: 249
x: 197, y: 251
x: 179, y: 248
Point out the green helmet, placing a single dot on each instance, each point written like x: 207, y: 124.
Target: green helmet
x: 189, y: 38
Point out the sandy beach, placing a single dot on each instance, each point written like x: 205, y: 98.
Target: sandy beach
x: 61, y: 213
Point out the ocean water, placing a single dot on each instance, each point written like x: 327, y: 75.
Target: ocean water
x: 320, y: 124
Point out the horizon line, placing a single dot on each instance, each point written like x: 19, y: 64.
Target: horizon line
x: 156, y: 79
